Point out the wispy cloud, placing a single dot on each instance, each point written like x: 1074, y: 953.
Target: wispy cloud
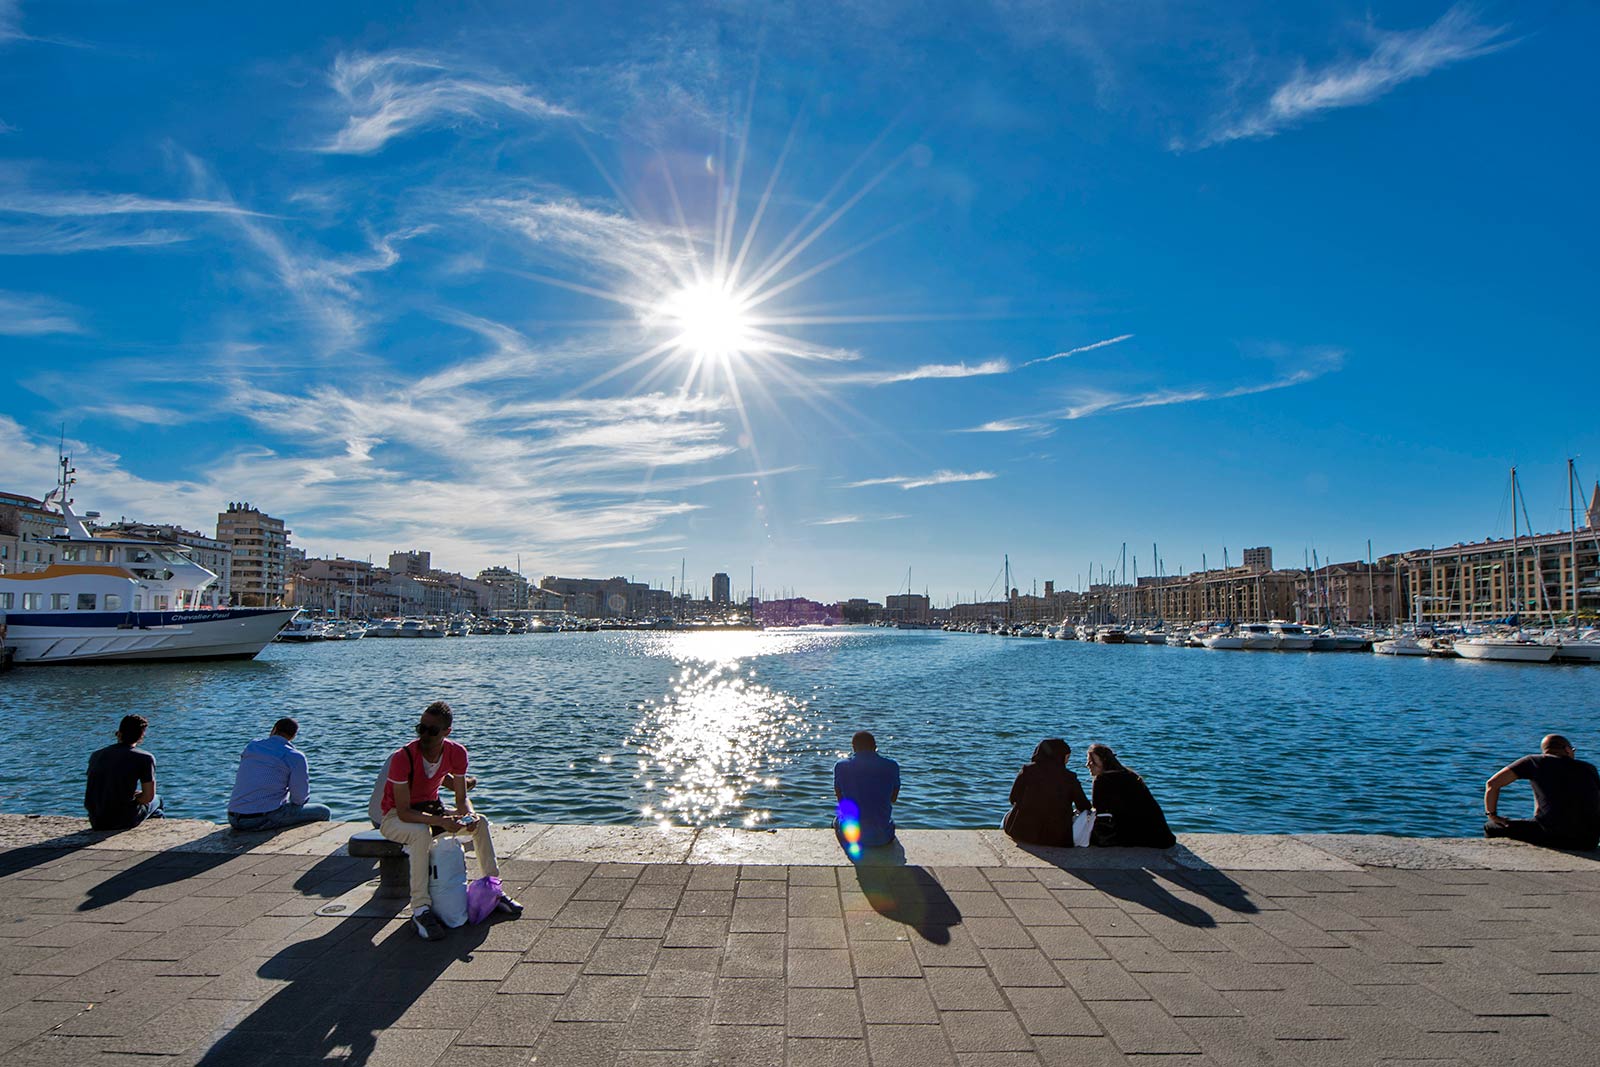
x: 1087, y: 402
x: 11, y: 21
x: 1069, y: 353
x: 1396, y: 57
x: 598, y: 238
x: 852, y: 520
x: 394, y: 93
x: 1006, y: 426
x: 940, y: 477
x: 925, y: 372
x: 69, y: 237
x: 29, y: 315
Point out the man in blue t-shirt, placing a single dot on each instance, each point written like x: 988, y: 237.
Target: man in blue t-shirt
x: 866, y: 785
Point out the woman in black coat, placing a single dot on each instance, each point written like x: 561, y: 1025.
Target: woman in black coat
x: 1044, y: 797
x: 1135, y: 817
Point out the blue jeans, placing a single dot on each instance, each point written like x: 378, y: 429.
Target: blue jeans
x: 288, y: 815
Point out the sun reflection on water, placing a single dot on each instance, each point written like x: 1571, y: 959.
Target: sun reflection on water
x: 712, y: 748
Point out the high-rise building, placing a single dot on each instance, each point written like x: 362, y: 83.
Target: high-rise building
x: 1258, y: 560
x: 721, y: 589
x: 260, y: 546
x: 508, y: 590
x: 413, y: 564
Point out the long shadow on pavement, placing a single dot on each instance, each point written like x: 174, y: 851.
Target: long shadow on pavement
x: 354, y: 991
x: 1143, y: 885
x: 906, y: 894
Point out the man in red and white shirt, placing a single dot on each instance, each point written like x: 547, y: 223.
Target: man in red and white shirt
x: 413, y: 813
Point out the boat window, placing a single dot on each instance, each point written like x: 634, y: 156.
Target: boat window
x: 32, y: 601
x: 5, y: 601
x: 71, y: 555
x: 113, y: 602
x: 100, y: 555
x: 162, y: 603
x: 138, y: 555
x: 60, y: 601
x: 138, y: 602
x: 85, y: 601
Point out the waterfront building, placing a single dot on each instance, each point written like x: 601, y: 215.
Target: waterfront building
x: 506, y: 589
x: 1258, y: 560
x: 721, y: 589
x: 598, y: 598
x: 260, y: 547
x: 1357, y: 593
x: 1554, y: 575
x: 413, y: 564
x: 214, y: 555
x: 1237, y: 593
x: 859, y: 609
x: 907, y: 607
x: 24, y: 526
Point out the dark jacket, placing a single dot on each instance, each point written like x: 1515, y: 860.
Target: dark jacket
x: 1043, y: 798
x: 1136, y: 818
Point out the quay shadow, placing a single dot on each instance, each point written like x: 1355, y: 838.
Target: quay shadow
x: 906, y: 894
x: 1132, y: 877
x: 354, y: 988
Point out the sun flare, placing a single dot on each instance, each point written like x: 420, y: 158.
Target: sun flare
x: 710, y: 321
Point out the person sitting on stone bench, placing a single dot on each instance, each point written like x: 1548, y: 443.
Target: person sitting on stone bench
x: 273, y: 784
x: 412, y: 812
x: 1126, y: 813
x: 1566, y: 798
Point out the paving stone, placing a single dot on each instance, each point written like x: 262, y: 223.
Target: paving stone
x: 601, y: 999
x: 603, y: 888
x: 667, y: 1023
x: 549, y: 978
x: 515, y: 1019
x: 563, y: 946
x: 896, y: 1000
x: 671, y: 983
x: 999, y: 932
x: 753, y: 956
x: 964, y: 988
x: 819, y: 968
x: 579, y: 1044
x: 756, y: 1001
x: 706, y: 902
x: 759, y: 916
x: 481, y: 966
x: 946, y: 946
x: 622, y: 955
x: 909, y: 1046
x: 813, y: 902
x: 817, y: 933
x: 884, y: 959
x: 1142, y: 1028
x: 1052, y: 1012
x: 586, y: 913
x: 1096, y: 980
x: 761, y: 889
x: 985, y: 1031
x: 1185, y: 996
x: 645, y: 894
x: 1068, y: 943
x: 741, y: 1046
x: 823, y: 1013
x: 696, y: 931
x: 825, y: 1052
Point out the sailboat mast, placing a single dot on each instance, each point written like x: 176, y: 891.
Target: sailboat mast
x: 1516, y: 579
x: 1572, y: 539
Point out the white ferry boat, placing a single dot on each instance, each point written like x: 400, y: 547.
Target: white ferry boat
x: 115, y: 599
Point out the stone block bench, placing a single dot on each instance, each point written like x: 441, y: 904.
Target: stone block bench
x: 394, y: 870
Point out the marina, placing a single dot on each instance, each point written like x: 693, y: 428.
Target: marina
x: 741, y: 729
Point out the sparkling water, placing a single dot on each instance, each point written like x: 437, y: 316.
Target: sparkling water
x: 742, y: 729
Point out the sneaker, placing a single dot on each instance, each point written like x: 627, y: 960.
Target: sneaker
x: 429, y: 928
x: 508, y: 906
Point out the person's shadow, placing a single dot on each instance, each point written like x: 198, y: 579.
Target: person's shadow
x: 353, y: 991
x: 1143, y: 885
x: 906, y: 894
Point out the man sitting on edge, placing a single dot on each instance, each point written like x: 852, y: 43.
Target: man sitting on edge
x: 273, y: 784
x: 121, y: 790
x: 1566, y: 795
x: 412, y: 812
x: 866, y: 785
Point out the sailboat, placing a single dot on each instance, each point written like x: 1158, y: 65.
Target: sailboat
x: 1514, y: 647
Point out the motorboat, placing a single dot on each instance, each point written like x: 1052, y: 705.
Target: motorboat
x: 1258, y: 637
x: 302, y: 629
x: 1291, y: 636
x: 1351, y: 641
x: 386, y: 628
x: 1402, y: 645
x: 1323, y: 641
x: 1575, y: 647
x: 1225, y: 640
x: 120, y: 599
x: 1111, y: 635
x: 1506, y: 648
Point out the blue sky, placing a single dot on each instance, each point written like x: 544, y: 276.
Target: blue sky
x: 836, y: 291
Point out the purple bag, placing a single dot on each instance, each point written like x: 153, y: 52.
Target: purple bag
x: 482, y: 896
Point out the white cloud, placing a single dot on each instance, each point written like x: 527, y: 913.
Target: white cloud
x: 592, y: 237
x: 29, y: 315
x: 393, y: 93
x: 940, y: 477
x: 69, y: 237
x: 851, y: 520
x: 1396, y: 58
x: 1005, y: 426
x: 1087, y: 402
x: 1081, y: 348
x: 925, y: 372
x: 11, y: 21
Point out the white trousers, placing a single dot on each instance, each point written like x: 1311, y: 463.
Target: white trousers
x: 417, y: 837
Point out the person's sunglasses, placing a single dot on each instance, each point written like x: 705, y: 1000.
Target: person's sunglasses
x: 425, y: 730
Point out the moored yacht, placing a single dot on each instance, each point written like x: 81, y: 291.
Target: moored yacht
x: 1510, y: 648
x: 1291, y: 637
x: 114, y: 599
x: 1258, y: 637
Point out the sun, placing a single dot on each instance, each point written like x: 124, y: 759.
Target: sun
x: 710, y: 321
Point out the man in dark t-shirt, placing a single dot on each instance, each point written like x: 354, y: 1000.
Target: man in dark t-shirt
x: 121, y: 790
x: 1566, y: 796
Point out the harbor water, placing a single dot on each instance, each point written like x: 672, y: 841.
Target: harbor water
x: 742, y: 729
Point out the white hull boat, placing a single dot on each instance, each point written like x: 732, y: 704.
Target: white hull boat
x: 1291, y: 637
x: 1505, y: 649
x: 1224, y: 641
x: 1404, y: 645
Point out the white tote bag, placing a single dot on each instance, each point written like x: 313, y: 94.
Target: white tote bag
x: 1083, y: 828
x: 447, y: 881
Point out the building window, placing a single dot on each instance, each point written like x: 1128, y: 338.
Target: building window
x: 85, y: 601
x: 113, y: 602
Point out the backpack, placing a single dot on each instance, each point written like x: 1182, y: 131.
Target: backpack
x: 447, y: 881
x: 375, y: 802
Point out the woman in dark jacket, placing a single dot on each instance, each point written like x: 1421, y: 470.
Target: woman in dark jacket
x: 1135, y: 817
x: 1044, y: 797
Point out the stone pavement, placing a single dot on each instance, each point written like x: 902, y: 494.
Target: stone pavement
x: 182, y: 943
